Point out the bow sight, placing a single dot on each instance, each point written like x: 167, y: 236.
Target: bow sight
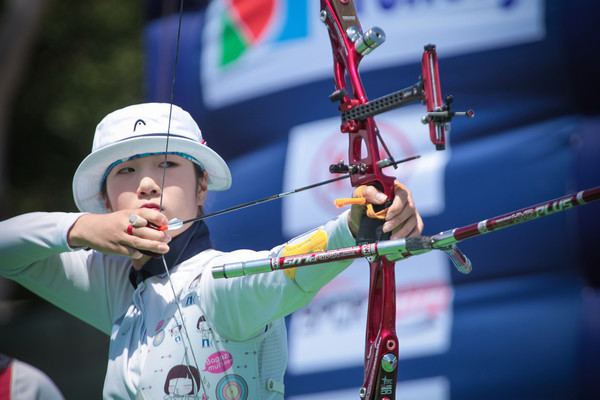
x: 427, y: 90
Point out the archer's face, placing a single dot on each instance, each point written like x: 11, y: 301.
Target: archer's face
x: 137, y: 183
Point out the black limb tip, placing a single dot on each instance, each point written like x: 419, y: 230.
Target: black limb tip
x: 429, y: 47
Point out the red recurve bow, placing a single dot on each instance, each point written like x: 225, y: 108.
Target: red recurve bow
x: 349, y: 45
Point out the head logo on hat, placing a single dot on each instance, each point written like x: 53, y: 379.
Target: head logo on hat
x: 139, y: 121
x: 115, y: 140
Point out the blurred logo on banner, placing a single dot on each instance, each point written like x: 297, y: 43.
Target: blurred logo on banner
x: 255, y: 47
x: 247, y: 23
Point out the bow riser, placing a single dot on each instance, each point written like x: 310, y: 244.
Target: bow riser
x: 381, y: 342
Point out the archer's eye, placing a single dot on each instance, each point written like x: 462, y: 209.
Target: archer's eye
x: 125, y: 170
x: 167, y: 164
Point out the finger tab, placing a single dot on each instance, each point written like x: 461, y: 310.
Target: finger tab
x: 371, y: 213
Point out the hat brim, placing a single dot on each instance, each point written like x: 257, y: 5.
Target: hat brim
x: 88, y: 177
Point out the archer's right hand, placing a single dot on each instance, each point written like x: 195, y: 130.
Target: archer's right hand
x: 108, y: 233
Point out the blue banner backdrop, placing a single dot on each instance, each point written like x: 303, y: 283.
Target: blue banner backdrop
x: 524, y: 324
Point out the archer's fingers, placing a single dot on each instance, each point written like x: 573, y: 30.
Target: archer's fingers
x: 372, y: 195
x: 402, y: 198
x: 136, y: 220
x: 139, y: 220
x: 412, y: 227
x: 396, y: 221
x: 139, y: 243
x: 151, y: 234
x: 120, y: 249
x: 401, y: 208
x: 151, y: 215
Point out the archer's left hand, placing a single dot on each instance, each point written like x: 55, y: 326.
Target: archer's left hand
x: 402, y: 217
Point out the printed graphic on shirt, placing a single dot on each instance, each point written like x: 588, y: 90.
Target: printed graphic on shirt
x: 158, y: 338
x: 176, y: 333
x: 189, y: 299
x: 159, y: 333
x: 182, y: 382
x: 218, y: 362
x: 159, y: 325
x: 232, y: 387
x: 195, y: 282
x: 206, y: 333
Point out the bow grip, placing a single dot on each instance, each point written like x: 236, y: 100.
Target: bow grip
x: 370, y: 229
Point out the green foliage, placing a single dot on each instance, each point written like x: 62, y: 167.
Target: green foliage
x: 86, y: 63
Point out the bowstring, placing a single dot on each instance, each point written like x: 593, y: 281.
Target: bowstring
x: 162, y: 186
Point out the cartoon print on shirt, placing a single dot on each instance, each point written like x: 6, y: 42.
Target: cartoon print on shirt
x: 159, y: 333
x: 218, y: 362
x: 182, y: 383
x: 176, y: 332
x: 205, y: 331
x: 190, y: 299
x: 158, y: 338
x: 195, y: 282
x: 232, y: 387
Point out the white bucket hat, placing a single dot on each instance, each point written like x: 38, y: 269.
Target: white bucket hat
x: 141, y: 129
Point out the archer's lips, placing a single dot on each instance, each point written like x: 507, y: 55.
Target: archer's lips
x: 151, y: 205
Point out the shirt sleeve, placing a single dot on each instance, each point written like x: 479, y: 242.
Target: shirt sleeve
x: 34, y: 252
x: 239, y: 308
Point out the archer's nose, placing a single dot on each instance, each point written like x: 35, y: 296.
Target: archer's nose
x: 148, y: 187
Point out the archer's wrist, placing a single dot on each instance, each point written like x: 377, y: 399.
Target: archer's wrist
x: 76, y: 233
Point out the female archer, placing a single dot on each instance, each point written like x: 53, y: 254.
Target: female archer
x: 175, y: 332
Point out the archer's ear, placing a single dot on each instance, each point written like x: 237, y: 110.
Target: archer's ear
x: 202, y: 189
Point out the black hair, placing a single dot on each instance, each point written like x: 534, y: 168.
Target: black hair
x: 183, y: 371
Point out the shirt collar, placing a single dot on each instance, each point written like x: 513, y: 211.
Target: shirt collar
x: 191, y: 242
